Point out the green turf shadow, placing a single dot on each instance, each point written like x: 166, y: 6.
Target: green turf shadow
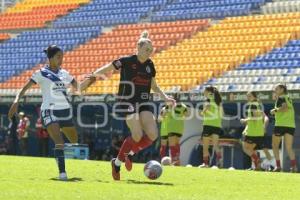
x: 74, y: 179
x: 148, y: 183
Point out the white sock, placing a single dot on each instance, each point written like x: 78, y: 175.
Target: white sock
x: 131, y: 153
x: 118, y: 162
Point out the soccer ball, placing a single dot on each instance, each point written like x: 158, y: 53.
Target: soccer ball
x: 166, y: 161
x: 153, y: 170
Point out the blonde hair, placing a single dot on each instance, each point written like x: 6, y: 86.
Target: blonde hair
x: 144, y: 38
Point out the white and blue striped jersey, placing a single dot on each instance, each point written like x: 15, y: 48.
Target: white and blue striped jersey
x: 53, y: 87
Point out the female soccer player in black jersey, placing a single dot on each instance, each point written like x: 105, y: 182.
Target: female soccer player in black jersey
x: 137, y: 78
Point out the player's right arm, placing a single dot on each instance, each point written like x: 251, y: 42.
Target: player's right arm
x: 162, y: 114
x: 14, y: 107
x: 100, y: 72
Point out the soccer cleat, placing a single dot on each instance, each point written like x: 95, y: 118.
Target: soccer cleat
x: 277, y: 169
x: 219, y: 163
x: 176, y: 163
x: 115, y: 170
x: 203, y: 166
x: 257, y: 166
x: 128, y: 162
x: 294, y: 169
x: 63, y: 176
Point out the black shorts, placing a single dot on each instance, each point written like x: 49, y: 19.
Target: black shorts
x: 124, y: 109
x: 210, y: 130
x: 174, y: 134
x: 63, y: 117
x: 164, y: 137
x: 281, y: 130
x: 170, y: 135
x: 259, y: 141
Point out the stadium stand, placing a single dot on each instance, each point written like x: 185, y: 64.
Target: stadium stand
x: 281, y: 65
x: 193, y: 9
x: 68, y: 38
x: 26, y: 50
x: 4, y: 36
x: 281, y: 6
x: 110, y: 12
x: 223, y: 47
x: 6, y: 3
x: 36, y: 13
x: 119, y: 42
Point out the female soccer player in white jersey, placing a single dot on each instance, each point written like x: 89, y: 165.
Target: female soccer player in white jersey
x: 55, y: 109
x: 133, y: 98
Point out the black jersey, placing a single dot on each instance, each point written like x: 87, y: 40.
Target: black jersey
x: 135, y: 79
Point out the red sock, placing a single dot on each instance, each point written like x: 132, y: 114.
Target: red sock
x: 125, y: 148
x: 205, y: 160
x: 178, y: 149
x: 278, y: 164
x: 162, y: 151
x: 142, y: 144
x: 254, y: 157
x: 219, y: 155
x: 175, y: 152
x: 293, y: 163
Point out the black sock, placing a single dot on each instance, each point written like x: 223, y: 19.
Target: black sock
x: 60, y: 158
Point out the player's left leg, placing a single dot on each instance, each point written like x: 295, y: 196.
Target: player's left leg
x: 70, y: 133
x: 205, y: 144
x: 174, y: 145
x: 288, y: 140
x: 267, y: 154
x: 149, y: 125
x: 216, y: 148
x: 249, y: 149
x: 163, y: 146
x: 276, y: 140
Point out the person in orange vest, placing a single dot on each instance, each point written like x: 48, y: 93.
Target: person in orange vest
x: 43, y: 138
x: 22, y: 131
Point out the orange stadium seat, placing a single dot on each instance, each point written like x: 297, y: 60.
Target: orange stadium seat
x: 119, y: 42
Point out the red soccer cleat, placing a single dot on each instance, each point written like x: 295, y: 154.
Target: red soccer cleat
x: 115, y: 170
x: 277, y: 169
x: 128, y: 162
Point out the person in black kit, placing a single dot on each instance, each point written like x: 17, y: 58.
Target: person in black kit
x: 136, y: 81
x: 12, y: 132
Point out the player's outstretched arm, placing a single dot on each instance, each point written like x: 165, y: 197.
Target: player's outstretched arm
x: 14, y: 107
x: 156, y: 89
x: 91, y: 78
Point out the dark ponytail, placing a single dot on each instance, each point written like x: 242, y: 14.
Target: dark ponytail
x: 283, y: 86
x: 254, y: 94
x: 217, y: 95
x: 52, y: 50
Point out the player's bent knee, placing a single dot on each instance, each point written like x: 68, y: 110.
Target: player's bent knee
x: 152, y: 134
x: 136, y: 136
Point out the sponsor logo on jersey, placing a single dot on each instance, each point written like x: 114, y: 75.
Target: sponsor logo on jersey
x: 138, y: 80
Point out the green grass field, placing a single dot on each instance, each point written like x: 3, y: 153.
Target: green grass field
x: 35, y: 178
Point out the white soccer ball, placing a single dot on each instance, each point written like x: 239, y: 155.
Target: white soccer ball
x: 153, y: 170
x: 166, y: 161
